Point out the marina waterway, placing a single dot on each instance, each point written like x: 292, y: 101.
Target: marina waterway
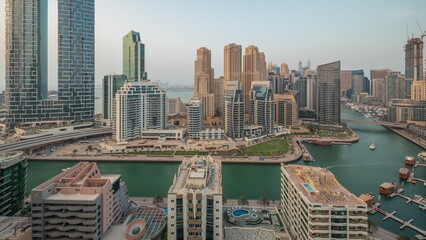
x: 355, y: 166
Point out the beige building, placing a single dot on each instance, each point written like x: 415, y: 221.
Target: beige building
x: 204, y: 81
x: 377, y: 78
x: 195, y: 200
x: 345, y: 82
x: 285, y: 71
x: 318, y: 207
x: 286, y: 111
x: 78, y: 203
x: 254, y: 69
x: 232, y: 62
x: 414, y: 59
x: 218, y: 92
x: 176, y: 107
x: 418, y: 91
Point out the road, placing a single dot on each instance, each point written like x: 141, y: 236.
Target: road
x: 46, y: 140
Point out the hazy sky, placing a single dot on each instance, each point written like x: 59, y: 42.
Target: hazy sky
x: 362, y: 34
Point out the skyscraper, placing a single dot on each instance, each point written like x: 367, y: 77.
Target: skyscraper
x: 26, y: 62
x: 138, y: 106
x: 285, y: 72
x: 377, y: 80
x: 301, y: 86
x: 134, y: 57
x: 286, y: 111
x: 233, y: 110
x: 346, y: 83
x: 254, y: 62
x: 195, y: 117
x: 232, y: 62
x: 357, y: 81
x: 218, y: 93
x: 414, y: 59
x: 418, y: 91
x: 195, y: 200
x: 394, y: 86
x: 328, y: 93
x: 204, y: 81
x: 110, y: 85
x: 262, y: 110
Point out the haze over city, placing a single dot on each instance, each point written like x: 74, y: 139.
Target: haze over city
x: 362, y: 34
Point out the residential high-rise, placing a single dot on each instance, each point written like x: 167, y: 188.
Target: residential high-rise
x: 134, y: 57
x: 138, y: 106
x: 195, y: 117
x: 262, y: 110
x: 176, y: 106
x: 366, y: 85
x: 26, y: 62
x: 13, y: 178
x: 403, y: 110
x: 418, y: 91
x: 285, y: 71
x: 377, y: 77
x: 311, y: 93
x: 394, y: 86
x: 110, y: 85
x: 346, y: 83
x: 414, y: 59
x: 328, y: 93
x: 357, y: 81
x: 204, y: 81
x: 233, y: 110
x: 252, y: 70
x: 286, y: 110
x: 317, y: 207
x: 78, y: 203
x: 218, y: 93
x: 301, y: 86
x: 232, y: 62
x: 195, y: 200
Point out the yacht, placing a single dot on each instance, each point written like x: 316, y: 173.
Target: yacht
x: 422, y: 156
x: 373, y: 146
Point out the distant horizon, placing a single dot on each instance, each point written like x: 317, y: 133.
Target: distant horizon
x: 361, y: 34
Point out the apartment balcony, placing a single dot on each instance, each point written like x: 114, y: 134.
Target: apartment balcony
x: 70, y: 214
x: 71, y: 208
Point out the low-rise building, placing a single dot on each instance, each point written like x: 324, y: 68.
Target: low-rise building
x: 78, y: 203
x: 211, y: 134
x: 15, y: 228
x: 317, y: 207
x: 195, y: 200
x: 403, y: 110
x: 13, y: 179
x: 168, y: 134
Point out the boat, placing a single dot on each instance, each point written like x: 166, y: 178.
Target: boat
x: 305, y: 157
x: 322, y: 142
x: 373, y: 146
x: 413, y: 181
x: 410, y: 160
x: 422, y: 156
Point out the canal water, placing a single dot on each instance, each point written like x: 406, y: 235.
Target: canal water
x: 355, y: 166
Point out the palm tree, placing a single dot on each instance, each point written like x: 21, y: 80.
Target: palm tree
x: 157, y: 200
x: 403, y: 237
x: 99, y: 151
x: 263, y: 201
x: 74, y: 152
x: 224, y: 200
x: 243, y: 201
x: 371, y: 225
x: 90, y: 148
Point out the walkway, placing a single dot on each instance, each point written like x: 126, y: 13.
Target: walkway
x: 383, y: 123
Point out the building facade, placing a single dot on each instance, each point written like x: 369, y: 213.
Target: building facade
x: 414, y: 59
x: 204, y: 81
x: 13, y: 178
x: 232, y: 54
x: 418, y: 91
x: 328, y: 93
x: 110, y: 85
x: 262, y: 110
x: 138, y: 106
x: 233, y: 110
x: 195, y: 117
x: 394, y: 86
x: 318, y: 207
x: 26, y: 62
x: 78, y: 203
x: 286, y: 110
x: 195, y: 201
x: 358, y: 81
x: 403, y: 110
x: 134, y: 57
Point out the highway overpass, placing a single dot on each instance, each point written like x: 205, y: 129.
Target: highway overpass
x: 57, y: 137
x: 383, y: 123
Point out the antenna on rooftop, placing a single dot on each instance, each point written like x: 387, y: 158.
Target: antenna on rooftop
x: 408, y: 36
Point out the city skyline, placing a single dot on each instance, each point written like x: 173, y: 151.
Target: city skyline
x: 378, y: 34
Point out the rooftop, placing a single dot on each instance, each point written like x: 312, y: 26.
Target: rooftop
x: 14, y: 227
x: 319, y: 185
x: 198, y: 173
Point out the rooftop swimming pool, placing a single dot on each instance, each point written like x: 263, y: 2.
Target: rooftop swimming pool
x: 240, y: 212
x: 309, y: 188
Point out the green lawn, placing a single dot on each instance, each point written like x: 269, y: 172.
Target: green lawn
x: 270, y: 148
x: 186, y: 153
x: 153, y: 153
x: 323, y: 133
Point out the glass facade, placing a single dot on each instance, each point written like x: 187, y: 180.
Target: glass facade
x: 134, y: 57
x: 110, y: 85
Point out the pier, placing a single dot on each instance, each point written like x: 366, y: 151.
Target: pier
x: 305, y: 151
x: 397, y: 219
x: 422, y: 205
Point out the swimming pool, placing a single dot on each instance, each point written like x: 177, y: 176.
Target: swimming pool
x: 240, y: 212
x: 309, y: 188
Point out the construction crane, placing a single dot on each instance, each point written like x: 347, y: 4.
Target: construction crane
x: 423, y: 33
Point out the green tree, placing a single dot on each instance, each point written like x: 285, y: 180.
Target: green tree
x: 224, y: 200
x: 158, y: 199
x: 99, y: 151
x: 404, y: 237
x: 243, y: 201
x: 74, y: 152
x: 90, y: 148
x: 263, y: 201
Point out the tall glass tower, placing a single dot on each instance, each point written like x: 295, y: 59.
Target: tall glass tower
x: 26, y: 62
x: 134, y: 57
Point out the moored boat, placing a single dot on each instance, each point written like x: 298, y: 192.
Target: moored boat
x: 404, y: 173
x: 322, y: 142
x: 410, y: 160
x: 372, y: 146
x: 422, y: 156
